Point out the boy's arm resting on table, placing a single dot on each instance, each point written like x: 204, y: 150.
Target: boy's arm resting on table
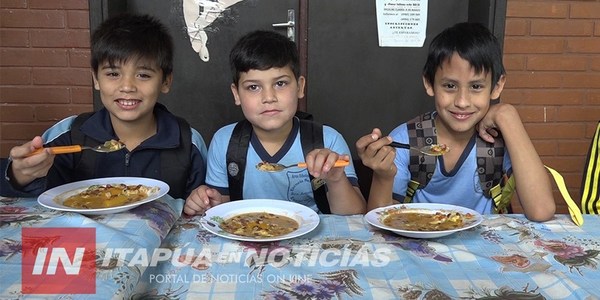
x: 375, y: 154
x: 344, y: 199
x: 533, y: 183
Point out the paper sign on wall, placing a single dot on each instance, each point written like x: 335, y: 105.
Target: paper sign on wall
x: 401, y: 23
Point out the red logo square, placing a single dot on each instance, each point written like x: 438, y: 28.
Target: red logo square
x: 58, y: 261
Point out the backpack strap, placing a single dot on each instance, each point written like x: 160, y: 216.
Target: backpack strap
x: 571, y: 205
x: 237, y: 150
x: 175, y: 163
x: 421, y: 132
x: 311, y: 137
x: 490, y: 157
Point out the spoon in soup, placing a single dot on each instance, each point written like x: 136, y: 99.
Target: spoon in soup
x: 431, y: 150
x: 208, y: 222
x: 275, y: 167
x: 108, y: 146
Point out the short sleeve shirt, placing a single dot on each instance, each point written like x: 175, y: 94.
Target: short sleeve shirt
x: 292, y: 184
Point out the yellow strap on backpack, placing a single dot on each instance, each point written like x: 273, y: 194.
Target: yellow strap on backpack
x: 562, y: 187
x: 502, y: 194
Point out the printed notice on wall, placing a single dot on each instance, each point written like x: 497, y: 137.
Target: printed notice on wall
x: 401, y: 23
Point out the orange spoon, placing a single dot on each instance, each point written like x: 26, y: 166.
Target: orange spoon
x: 273, y: 167
x: 109, y: 146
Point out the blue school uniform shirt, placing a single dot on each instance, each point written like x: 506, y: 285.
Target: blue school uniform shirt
x: 292, y: 184
x: 460, y: 186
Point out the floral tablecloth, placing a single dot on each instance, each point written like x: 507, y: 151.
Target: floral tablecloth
x: 143, y: 227
x: 506, y: 257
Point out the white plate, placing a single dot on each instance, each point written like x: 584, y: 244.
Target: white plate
x: 53, y: 198
x: 307, y: 218
x: 375, y: 216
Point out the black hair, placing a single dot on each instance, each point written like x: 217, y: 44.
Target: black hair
x: 473, y: 42
x: 128, y: 36
x: 262, y: 50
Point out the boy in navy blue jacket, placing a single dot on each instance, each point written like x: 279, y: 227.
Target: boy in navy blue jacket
x: 132, y: 63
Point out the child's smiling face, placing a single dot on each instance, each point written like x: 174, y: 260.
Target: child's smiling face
x: 129, y: 90
x: 462, y: 96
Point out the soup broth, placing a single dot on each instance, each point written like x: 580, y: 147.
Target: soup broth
x: 259, y: 225
x: 108, y: 195
x: 419, y: 221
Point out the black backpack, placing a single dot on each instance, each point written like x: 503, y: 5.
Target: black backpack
x: 311, y: 137
x: 174, y: 163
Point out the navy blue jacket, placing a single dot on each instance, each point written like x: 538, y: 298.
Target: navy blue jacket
x: 143, y: 161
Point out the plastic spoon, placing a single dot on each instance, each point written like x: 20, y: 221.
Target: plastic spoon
x: 431, y: 150
x: 108, y: 146
x: 274, y: 167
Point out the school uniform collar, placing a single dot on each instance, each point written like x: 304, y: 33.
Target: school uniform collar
x: 285, y: 148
